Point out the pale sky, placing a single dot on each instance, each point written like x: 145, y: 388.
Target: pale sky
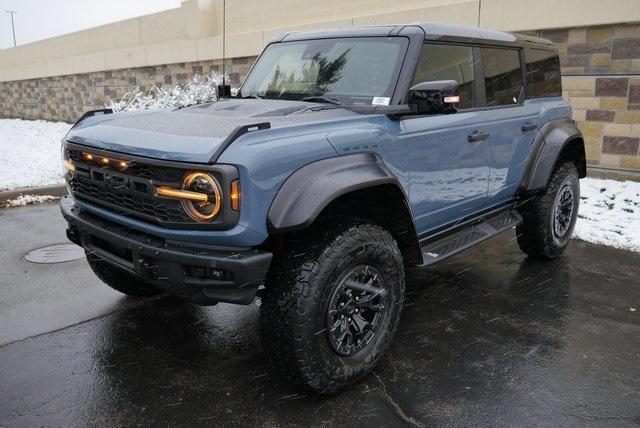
x: 40, y: 19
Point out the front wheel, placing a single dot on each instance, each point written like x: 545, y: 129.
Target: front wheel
x: 548, y: 221
x: 332, y: 304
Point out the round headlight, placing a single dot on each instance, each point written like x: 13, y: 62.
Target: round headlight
x: 201, y: 182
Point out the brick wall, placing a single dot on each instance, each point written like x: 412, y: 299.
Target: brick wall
x: 601, y: 81
x: 65, y: 98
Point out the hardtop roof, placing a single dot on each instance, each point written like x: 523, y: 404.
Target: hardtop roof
x: 431, y: 30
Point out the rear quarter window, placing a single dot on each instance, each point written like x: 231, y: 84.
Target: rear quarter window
x: 502, y: 76
x: 543, y: 74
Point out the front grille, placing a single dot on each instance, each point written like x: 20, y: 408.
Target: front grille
x: 129, y: 191
x: 150, y: 210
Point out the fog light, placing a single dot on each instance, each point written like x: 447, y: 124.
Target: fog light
x: 207, y: 273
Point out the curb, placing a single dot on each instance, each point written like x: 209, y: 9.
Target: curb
x: 52, y: 189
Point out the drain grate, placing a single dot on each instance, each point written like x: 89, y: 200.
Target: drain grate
x: 55, y: 254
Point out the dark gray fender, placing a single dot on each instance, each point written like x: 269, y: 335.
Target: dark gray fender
x: 551, y: 140
x: 311, y: 188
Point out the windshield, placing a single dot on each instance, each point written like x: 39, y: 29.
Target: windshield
x: 349, y: 70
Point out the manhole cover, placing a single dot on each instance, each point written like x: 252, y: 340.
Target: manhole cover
x: 55, y: 254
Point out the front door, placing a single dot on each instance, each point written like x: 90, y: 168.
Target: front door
x: 448, y: 153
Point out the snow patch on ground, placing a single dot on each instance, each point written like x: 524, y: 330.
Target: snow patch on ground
x: 609, y: 213
x: 23, y: 200
x: 30, y: 153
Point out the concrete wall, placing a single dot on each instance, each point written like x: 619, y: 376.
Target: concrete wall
x: 193, y: 32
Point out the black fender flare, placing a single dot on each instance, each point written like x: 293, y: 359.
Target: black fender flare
x: 547, y: 146
x: 313, y: 187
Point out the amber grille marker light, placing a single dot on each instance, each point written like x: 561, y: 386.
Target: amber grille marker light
x: 104, y: 161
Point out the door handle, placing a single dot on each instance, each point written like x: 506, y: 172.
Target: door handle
x: 474, y: 137
x: 529, y: 126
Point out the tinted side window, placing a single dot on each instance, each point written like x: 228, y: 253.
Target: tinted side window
x: 543, y: 74
x: 448, y: 62
x: 502, y: 76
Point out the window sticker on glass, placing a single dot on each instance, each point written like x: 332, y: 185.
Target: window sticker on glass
x: 380, y: 101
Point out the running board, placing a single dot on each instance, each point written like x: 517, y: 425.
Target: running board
x: 460, y: 240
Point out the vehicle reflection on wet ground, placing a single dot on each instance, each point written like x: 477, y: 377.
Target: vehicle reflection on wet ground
x: 488, y: 337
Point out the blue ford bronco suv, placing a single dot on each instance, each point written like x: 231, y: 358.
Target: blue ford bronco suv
x: 346, y: 156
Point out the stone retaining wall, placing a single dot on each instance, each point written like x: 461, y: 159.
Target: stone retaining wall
x: 601, y: 80
x: 65, y: 98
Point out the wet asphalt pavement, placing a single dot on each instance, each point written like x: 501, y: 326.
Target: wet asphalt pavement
x: 488, y: 337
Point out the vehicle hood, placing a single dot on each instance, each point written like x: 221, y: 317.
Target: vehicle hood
x: 193, y: 134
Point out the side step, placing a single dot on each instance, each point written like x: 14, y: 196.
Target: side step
x: 460, y: 240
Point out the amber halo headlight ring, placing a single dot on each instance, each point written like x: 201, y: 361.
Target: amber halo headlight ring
x: 202, y: 183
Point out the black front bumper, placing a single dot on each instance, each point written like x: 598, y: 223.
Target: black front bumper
x: 203, y: 274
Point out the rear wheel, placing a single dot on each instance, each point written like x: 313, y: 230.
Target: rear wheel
x: 120, y: 280
x: 332, y: 304
x: 548, y: 221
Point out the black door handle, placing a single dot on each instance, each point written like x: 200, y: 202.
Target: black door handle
x: 529, y: 126
x: 474, y: 137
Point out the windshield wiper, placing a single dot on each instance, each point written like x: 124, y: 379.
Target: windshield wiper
x: 321, y: 99
x: 257, y: 97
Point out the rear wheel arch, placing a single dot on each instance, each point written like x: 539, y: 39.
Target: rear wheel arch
x: 573, y: 150
x: 558, y: 141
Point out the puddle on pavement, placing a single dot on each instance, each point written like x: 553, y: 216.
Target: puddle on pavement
x: 55, y: 254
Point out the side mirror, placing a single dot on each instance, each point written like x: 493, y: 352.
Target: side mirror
x: 435, y: 97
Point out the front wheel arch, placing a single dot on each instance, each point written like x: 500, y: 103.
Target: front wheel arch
x: 354, y: 186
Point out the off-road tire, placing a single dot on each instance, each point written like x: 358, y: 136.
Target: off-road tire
x: 536, y: 236
x: 120, y: 280
x: 299, y: 288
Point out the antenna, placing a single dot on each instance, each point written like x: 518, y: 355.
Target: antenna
x: 224, y: 39
x: 222, y: 89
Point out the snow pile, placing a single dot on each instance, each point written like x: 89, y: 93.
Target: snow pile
x: 609, y: 213
x: 200, y: 89
x: 30, y: 153
x: 23, y: 200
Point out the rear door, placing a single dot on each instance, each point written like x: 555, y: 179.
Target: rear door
x: 448, y: 170
x: 511, y: 121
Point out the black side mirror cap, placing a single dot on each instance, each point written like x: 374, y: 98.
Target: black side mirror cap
x: 434, y: 97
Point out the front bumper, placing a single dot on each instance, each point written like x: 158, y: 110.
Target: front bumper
x: 203, y: 274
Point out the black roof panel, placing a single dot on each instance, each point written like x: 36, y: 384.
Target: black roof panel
x: 432, y: 30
